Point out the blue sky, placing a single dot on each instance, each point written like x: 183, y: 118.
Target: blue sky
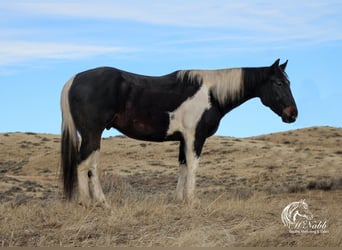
x: 44, y: 43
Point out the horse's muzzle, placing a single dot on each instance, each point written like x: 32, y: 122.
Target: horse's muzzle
x: 289, y: 114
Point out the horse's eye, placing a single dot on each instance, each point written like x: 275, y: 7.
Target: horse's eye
x: 279, y: 83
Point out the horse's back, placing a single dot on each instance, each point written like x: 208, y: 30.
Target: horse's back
x: 109, y: 97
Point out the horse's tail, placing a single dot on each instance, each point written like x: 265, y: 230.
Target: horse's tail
x: 69, y: 144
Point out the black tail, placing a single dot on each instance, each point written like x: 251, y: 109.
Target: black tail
x: 69, y: 144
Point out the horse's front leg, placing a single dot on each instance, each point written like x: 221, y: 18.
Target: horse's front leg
x: 190, y: 183
x: 182, y: 173
x: 190, y: 151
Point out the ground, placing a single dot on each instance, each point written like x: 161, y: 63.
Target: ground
x: 242, y: 187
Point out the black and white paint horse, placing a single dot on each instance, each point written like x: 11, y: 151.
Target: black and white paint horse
x: 185, y: 106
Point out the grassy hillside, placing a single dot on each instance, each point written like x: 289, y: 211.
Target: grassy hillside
x: 242, y: 187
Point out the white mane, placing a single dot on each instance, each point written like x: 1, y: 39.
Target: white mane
x: 225, y: 84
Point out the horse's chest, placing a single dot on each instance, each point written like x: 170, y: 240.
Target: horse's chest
x: 186, y: 117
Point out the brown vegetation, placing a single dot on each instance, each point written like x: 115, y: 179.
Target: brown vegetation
x: 242, y: 187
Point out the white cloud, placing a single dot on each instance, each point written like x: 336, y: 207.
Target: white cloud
x: 312, y: 17
x: 20, y: 51
x: 241, y: 24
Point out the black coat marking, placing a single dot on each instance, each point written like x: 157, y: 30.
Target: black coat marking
x: 135, y: 105
x: 142, y: 107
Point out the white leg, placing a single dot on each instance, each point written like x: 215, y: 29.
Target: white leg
x: 192, y: 165
x: 83, y: 184
x: 87, y: 171
x: 95, y: 181
x: 190, y: 183
x: 181, y: 182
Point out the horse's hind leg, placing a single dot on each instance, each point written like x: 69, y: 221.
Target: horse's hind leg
x: 95, y: 180
x: 88, y: 172
x: 83, y: 184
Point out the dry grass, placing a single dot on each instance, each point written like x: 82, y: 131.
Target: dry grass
x: 155, y: 221
x: 243, y: 185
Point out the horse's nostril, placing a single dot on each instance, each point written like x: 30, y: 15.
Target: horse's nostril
x: 290, y: 114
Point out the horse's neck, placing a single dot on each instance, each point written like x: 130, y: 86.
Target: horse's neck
x: 252, y: 78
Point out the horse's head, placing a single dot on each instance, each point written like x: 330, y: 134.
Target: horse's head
x: 275, y: 93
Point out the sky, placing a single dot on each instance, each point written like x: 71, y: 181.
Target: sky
x: 44, y: 43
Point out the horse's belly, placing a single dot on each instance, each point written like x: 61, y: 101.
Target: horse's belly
x: 150, y: 127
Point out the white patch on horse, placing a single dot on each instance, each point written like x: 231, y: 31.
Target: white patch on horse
x: 225, y: 84
x: 182, y: 174
x: 83, y: 184
x: 190, y: 184
x: 95, y: 181
x: 88, y: 171
x: 185, y: 118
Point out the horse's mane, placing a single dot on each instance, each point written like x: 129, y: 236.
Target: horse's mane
x: 225, y: 84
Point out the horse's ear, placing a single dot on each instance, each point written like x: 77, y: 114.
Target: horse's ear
x: 276, y: 63
x: 283, y: 66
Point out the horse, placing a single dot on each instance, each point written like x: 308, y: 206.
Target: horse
x: 295, y: 210
x: 184, y: 106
